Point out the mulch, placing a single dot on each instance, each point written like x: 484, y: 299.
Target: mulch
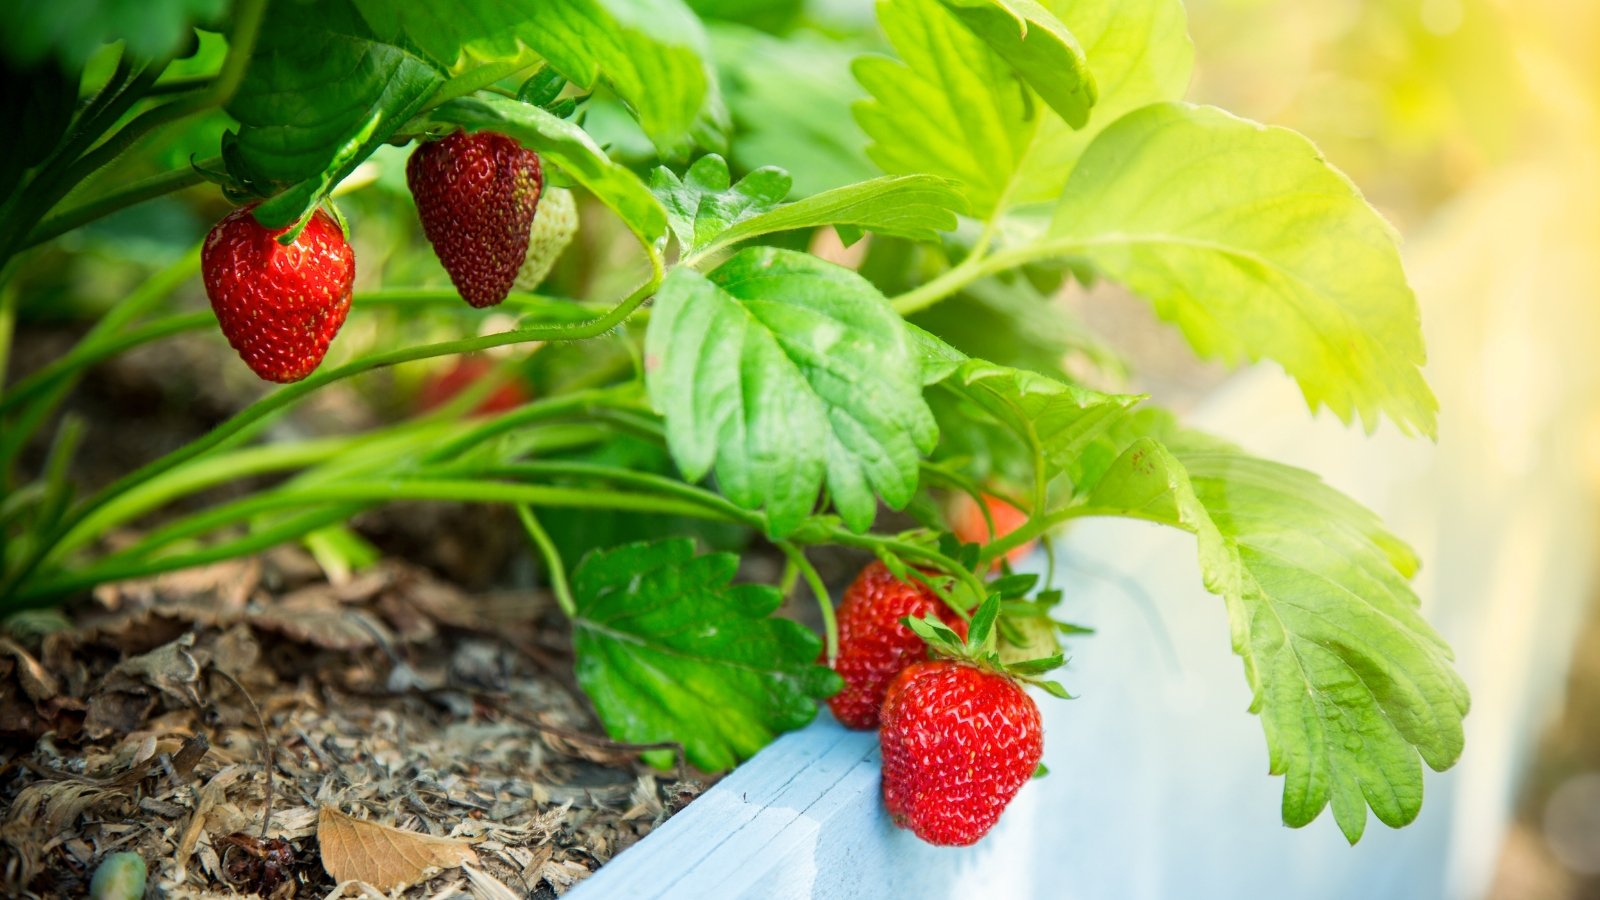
x: 204, y: 719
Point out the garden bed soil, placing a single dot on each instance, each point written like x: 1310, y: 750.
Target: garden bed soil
x: 394, y: 698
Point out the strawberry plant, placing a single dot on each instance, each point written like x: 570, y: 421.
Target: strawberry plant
x: 659, y: 199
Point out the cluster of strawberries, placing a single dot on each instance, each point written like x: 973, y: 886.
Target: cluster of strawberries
x: 479, y: 199
x: 959, y: 737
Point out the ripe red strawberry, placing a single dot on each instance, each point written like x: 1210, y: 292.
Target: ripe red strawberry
x: 873, y: 643
x: 476, y: 194
x: 278, y: 306
x: 958, y: 742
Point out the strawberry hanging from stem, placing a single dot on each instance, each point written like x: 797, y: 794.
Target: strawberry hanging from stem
x: 960, y: 736
x: 279, y: 306
x: 477, y: 194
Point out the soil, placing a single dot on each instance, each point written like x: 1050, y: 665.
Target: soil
x: 205, y: 719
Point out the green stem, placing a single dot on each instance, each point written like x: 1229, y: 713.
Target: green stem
x: 715, y: 505
x: 135, y: 193
x: 282, y: 399
x: 146, y: 295
x: 241, y: 44
x: 88, y: 353
x: 552, y: 560
x: 830, y: 624
x: 8, y: 324
x: 48, y: 591
x: 977, y: 266
x: 368, y: 493
x: 1036, y: 527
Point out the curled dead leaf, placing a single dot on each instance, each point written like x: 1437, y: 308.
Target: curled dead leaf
x: 384, y: 857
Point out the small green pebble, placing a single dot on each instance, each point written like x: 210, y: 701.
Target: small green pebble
x: 120, y: 876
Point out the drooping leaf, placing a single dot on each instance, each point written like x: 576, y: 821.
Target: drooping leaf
x: 784, y: 372
x: 1042, y: 51
x: 72, y: 32
x: 1254, y: 246
x: 651, y: 52
x: 320, y: 94
x: 1140, y: 53
x: 950, y: 106
x: 669, y: 650
x: 570, y: 149
x: 1351, y: 683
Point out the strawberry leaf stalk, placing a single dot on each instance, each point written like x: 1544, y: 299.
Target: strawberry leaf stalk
x: 476, y: 195
x: 960, y: 736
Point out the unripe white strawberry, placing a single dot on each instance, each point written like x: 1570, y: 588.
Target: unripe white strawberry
x: 553, y: 227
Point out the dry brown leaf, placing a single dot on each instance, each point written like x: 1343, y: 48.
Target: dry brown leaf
x: 386, y: 858
x: 37, y: 683
x: 316, y: 616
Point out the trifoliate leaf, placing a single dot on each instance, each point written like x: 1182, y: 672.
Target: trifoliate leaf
x: 651, y: 52
x: 1351, y: 683
x: 1245, y: 238
x: 669, y: 650
x: 949, y: 106
x: 784, y: 372
x: 703, y: 204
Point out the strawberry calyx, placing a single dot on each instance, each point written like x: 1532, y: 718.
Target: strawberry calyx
x: 982, y: 646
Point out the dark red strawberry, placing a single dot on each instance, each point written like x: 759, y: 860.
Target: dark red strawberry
x: 278, y: 306
x: 477, y: 194
x: 958, y: 742
x: 873, y: 643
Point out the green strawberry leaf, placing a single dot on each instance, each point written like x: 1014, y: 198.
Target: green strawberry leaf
x: 708, y: 214
x: 784, y: 371
x: 542, y: 87
x: 1255, y: 247
x: 702, y: 204
x: 320, y: 94
x: 570, y: 149
x: 1054, y: 419
x: 910, y: 206
x: 669, y: 650
x: 651, y: 52
x: 949, y: 106
x: 1140, y: 53
x: 72, y: 32
x: 1351, y: 683
x: 1039, y: 48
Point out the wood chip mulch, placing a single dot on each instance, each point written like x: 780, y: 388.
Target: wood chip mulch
x: 392, y: 697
